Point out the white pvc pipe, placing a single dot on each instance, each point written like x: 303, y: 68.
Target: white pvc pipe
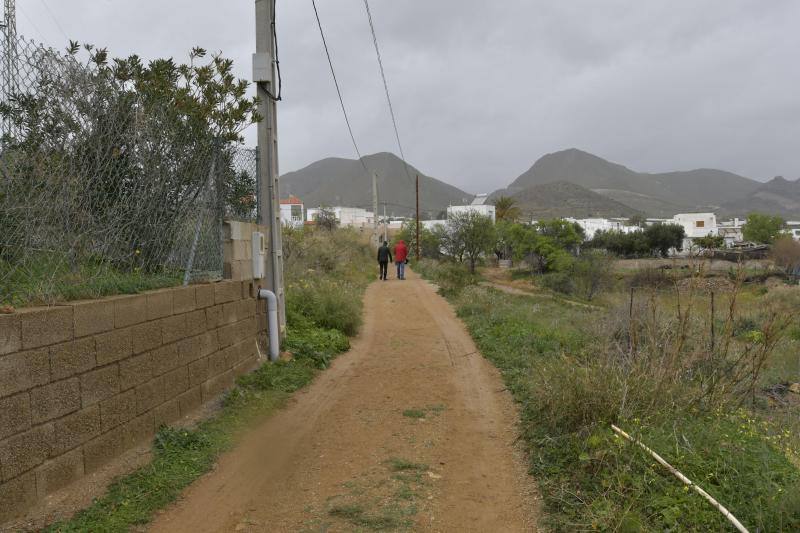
x: 718, y: 506
x: 272, y: 315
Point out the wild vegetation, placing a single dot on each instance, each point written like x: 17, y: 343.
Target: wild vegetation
x: 332, y: 269
x: 707, y: 392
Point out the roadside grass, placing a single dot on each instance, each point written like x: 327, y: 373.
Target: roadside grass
x: 381, y: 504
x: 569, y: 370
x: 181, y: 455
x: 48, y: 281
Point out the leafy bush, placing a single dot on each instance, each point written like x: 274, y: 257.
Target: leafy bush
x: 573, y: 374
x: 451, y: 277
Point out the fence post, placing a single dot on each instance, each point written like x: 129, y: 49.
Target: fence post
x: 630, y: 324
x: 713, y: 328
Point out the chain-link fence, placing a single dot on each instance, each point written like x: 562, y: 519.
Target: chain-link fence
x: 103, y: 190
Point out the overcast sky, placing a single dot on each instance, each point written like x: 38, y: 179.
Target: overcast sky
x: 482, y: 89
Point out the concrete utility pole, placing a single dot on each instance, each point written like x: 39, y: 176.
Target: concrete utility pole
x: 269, y: 196
x: 9, y: 59
x: 417, y: 239
x: 385, y: 224
x: 375, y: 232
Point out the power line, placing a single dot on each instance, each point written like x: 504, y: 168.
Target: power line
x: 338, y: 89
x: 386, y: 88
x: 52, y: 16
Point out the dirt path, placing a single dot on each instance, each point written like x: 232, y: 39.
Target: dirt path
x: 411, y: 429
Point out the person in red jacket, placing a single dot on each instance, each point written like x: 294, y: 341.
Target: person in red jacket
x: 400, y: 259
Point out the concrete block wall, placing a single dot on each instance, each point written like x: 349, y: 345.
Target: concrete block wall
x: 83, y: 382
x: 238, y: 249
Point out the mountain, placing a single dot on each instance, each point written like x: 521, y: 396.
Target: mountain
x: 344, y: 182
x: 778, y: 196
x: 565, y: 199
x: 654, y: 194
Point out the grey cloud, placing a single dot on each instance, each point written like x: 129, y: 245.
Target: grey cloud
x: 482, y: 89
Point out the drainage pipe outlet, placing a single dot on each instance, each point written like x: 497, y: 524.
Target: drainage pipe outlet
x: 272, y: 316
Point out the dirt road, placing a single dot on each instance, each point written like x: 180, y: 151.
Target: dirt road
x: 411, y: 429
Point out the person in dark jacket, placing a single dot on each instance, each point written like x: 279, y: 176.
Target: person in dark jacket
x: 384, y: 257
x: 400, y: 259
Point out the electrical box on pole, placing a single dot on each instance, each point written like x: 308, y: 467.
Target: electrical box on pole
x: 264, y: 64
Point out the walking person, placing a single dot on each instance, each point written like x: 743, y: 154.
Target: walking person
x: 384, y: 257
x: 401, y: 258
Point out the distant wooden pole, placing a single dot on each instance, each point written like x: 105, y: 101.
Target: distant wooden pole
x: 713, y: 328
x: 418, y: 256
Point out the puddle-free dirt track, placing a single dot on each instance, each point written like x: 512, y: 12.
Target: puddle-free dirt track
x: 411, y: 429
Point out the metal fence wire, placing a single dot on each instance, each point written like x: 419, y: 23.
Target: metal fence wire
x: 95, y: 181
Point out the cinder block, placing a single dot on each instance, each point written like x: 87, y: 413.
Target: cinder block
x: 17, y: 496
x: 114, y: 346
x: 166, y: 413
x: 196, y: 323
x: 230, y: 313
x: 183, y: 300
x: 135, y: 370
x: 59, y: 473
x: 236, y: 231
x: 218, y: 362
x: 198, y: 372
x: 72, y: 358
x: 245, y: 329
x: 215, y: 386
x: 146, y: 336
x: 99, y: 384
x: 10, y: 334
x: 247, y: 309
x: 130, y: 310
x: 190, y: 400
x: 23, y: 370
x: 159, y: 304
x: 91, y: 318
x: 139, y: 430
x: 189, y: 350
x: 214, y: 316
x: 227, y: 291
x: 204, y: 295
x: 173, y: 328
x: 118, y: 409
x: 15, y: 414
x: 25, y: 451
x: 149, y: 395
x: 209, y: 343
x: 77, y: 428
x: 103, y: 449
x: 176, y: 382
x: 241, y: 270
x: 227, y: 335
x: 55, y: 400
x: 165, y: 359
x: 46, y: 326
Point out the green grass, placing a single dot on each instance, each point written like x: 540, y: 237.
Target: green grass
x: 553, y: 360
x: 48, y: 281
x: 414, y: 413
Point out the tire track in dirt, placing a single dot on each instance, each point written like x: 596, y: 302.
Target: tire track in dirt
x: 411, y: 429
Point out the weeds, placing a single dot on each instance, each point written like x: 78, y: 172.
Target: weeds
x: 574, y: 371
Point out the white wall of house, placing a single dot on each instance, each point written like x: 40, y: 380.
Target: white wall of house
x: 292, y: 215
x: 430, y: 224
x: 355, y: 217
x: 485, y: 210
x: 592, y: 225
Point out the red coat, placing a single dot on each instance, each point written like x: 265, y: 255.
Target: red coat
x: 400, y: 252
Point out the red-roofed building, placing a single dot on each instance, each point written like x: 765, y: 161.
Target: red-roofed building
x: 292, y: 211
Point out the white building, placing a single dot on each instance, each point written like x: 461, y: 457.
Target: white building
x: 592, y: 225
x: 732, y: 231
x: 292, y: 212
x: 793, y: 229
x: 431, y: 224
x: 354, y: 217
x: 696, y: 226
x: 478, y: 205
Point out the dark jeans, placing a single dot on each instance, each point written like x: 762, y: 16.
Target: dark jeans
x: 384, y: 268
